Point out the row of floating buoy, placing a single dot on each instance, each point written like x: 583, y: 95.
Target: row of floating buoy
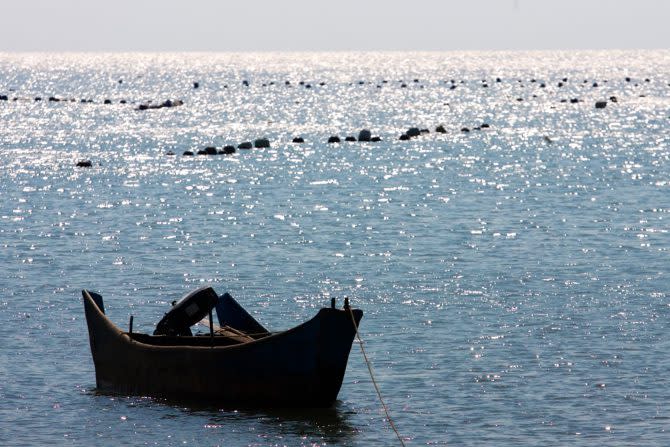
x: 452, y: 83
x: 259, y: 143
x: 403, y: 84
x: 363, y: 136
x: 145, y: 106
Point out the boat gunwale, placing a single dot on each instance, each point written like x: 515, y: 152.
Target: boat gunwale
x: 126, y: 338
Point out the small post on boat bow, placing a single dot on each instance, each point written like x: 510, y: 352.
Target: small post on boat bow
x: 211, y: 327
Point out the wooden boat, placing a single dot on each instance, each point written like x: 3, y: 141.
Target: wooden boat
x: 300, y: 367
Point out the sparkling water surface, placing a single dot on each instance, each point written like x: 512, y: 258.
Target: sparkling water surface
x: 514, y: 278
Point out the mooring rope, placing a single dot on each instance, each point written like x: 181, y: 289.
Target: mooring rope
x: 372, y: 376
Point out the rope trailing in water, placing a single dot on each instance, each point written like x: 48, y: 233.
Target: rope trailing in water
x: 372, y: 376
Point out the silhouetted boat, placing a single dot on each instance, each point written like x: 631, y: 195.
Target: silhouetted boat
x: 300, y: 367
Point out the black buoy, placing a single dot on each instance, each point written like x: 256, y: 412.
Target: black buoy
x: 413, y: 132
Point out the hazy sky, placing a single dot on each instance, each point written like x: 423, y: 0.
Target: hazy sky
x: 256, y: 25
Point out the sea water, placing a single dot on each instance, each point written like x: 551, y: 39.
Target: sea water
x: 514, y: 278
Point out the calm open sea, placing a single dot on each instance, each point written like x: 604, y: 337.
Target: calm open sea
x: 515, y: 278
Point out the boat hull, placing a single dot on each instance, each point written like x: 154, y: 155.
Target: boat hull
x: 301, y: 367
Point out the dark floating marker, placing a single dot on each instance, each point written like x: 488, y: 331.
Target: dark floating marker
x: 413, y: 132
x: 169, y: 153
x: 375, y: 139
x: 601, y: 104
x: 4, y: 98
x: 298, y: 140
x: 364, y: 135
x: 123, y: 101
x: 574, y: 101
x: 211, y: 150
x: 168, y: 103
x: 560, y: 84
x: 261, y: 143
x: 465, y: 129
x: 188, y: 153
x: 485, y: 126
x: 245, y: 145
x: 614, y: 99
x: 404, y: 137
x: 84, y: 164
x: 196, y: 84
x: 334, y: 139
x: 440, y: 129
x: 228, y: 149
x: 107, y: 101
x: 245, y: 83
x: 350, y: 139
x: 38, y: 98
x: 627, y: 79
